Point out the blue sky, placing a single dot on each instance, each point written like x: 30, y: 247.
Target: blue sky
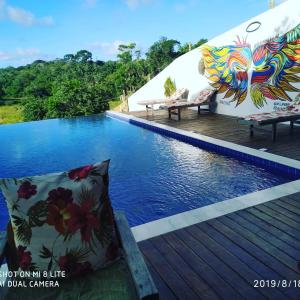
x: 47, y: 29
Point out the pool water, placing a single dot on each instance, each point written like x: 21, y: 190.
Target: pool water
x: 151, y: 176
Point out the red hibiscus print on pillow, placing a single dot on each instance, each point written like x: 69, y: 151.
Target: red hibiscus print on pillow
x: 60, y: 197
x: 26, y: 190
x: 83, y: 218
x: 80, y: 173
x: 72, y: 266
x: 58, y: 214
x: 24, y: 258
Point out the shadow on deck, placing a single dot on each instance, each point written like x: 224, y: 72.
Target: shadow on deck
x: 224, y: 257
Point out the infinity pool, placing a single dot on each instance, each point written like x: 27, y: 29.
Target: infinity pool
x: 151, y: 176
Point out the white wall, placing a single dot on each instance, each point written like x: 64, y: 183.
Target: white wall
x: 184, y: 70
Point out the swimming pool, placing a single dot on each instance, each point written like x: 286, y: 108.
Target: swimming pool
x: 151, y: 176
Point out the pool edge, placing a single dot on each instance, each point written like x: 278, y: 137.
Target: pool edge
x: 273, y: 162
x: 188, y: 218
x: 269, y: 161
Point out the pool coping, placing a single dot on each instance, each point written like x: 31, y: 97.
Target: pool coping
x: 273, y: 162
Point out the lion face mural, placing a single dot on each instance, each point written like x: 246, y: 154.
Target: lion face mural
x: 272, y: 66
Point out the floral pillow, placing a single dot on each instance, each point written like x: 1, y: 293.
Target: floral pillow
x: 180, y: 95
x: 204, y: 95
x: 62, y: 221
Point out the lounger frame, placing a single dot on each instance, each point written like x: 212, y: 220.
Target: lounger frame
x: 271, y: 121
x: 144, y: 285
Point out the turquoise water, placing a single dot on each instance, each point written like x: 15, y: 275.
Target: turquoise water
x: 151, y: 176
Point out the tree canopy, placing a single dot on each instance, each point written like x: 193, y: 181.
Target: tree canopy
x: 79, y: 85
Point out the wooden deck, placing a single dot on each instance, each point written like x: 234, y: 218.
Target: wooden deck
x: 227, y: 128
x: 222, y: 258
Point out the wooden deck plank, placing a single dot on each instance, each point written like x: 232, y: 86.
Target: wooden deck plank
x: 253, y: 249
x: 236, y: 249
x: 163, y: 268
x: 266, y: 236
x: 222, y: 288
x: 285, y: 259
x: 276, y: 222
x: 291, y: 201
x: 295, y: 197
x: 234, y: 263
x: 164, y: 291
x: 192, y: 279
x: 288, y: 239
x: 217, y: 264
x: 291, y: 208
x: 279, y: 216
x: 292, y: 215
x: 265, y: 271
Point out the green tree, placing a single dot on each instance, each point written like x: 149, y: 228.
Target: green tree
x: 78, y: 85
x: 161, y: 54
x: 69, y: 57
x: 185, y: 48
x: 34, y: 109
x: 1, y: 91
x: 132, y: 71
x: 83, y: 56
x: 126, y: 52
x: 74, y: 98
x: 189, y: 46
x: 199, y: 43
x: 39, y: 88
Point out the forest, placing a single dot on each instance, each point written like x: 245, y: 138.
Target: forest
x: 79, y: 85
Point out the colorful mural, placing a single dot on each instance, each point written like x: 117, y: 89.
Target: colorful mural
x: 272, y: 65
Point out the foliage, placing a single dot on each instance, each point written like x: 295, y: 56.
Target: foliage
x: 161, y: 54
x: 170, y: 87
x: 79, y: 85
x: 68, y: 99
x: 10, y: 114
x: 114, y: 104
x: 1, y: 92
x: 127, y: 52
x: 72, y: 98
x: 34, y: 109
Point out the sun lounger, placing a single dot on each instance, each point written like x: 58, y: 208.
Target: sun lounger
x: 127, y: 278
x: 177, y: 96
x: 203, y: 98
x: 150, y: 103
x: 272, y: 118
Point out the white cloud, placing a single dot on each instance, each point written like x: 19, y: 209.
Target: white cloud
x: 20, y: 16
x: 21, y: 56
x: 136, y: 3
x: 4, y: 56
x: 29, y: 52
x: 109, y: 49
x: 2, y: 8
x: 179, y: 7
x: 182, y: 6
x: 23, y: 17
x: 90, y: 3
x: 47, y: 21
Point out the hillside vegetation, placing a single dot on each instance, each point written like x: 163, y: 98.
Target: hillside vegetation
x: 79, y: 85
x: 10, y: 114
